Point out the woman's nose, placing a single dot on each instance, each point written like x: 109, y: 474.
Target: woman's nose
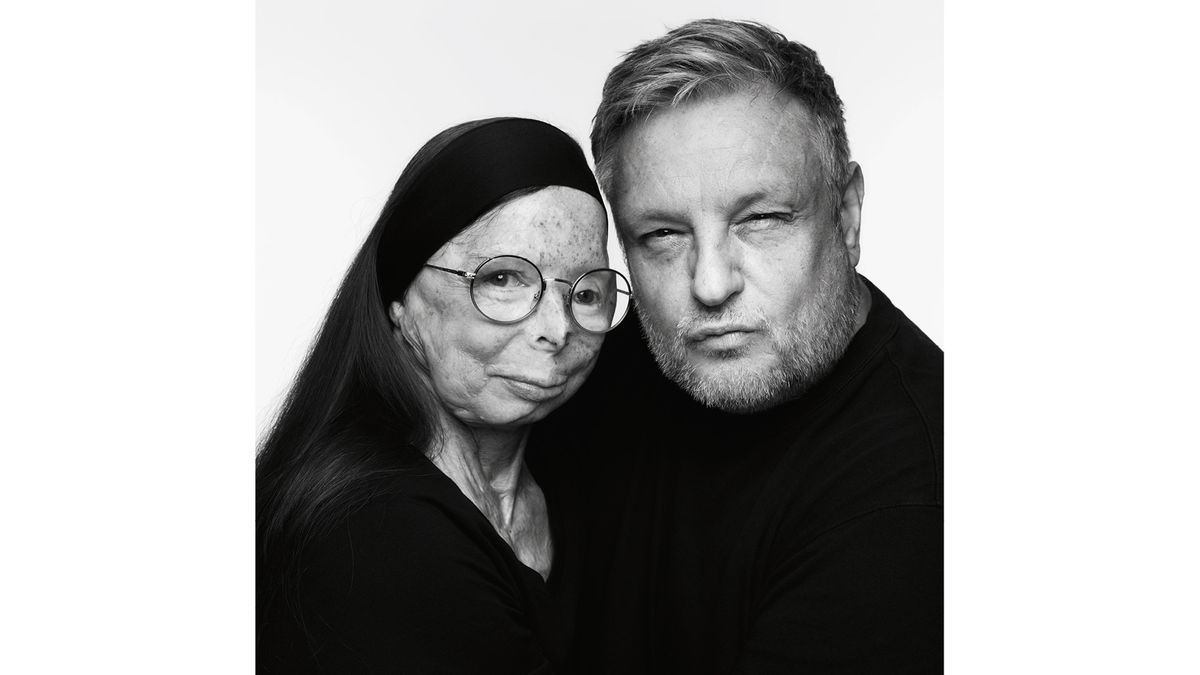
x: 551, y: 321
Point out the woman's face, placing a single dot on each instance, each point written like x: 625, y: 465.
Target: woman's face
x: 496, y: 375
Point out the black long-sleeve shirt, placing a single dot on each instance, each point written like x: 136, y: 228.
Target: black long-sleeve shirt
x: 803, y: 539
x: 418, y: 581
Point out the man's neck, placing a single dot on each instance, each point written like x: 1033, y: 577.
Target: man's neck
x: 864, y: 304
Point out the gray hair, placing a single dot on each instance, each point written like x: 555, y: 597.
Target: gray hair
x: 718, y: 55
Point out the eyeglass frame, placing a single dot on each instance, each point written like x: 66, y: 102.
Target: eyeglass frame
x: 570, y: 303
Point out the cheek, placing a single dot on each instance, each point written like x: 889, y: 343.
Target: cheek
x: 783, y: 278
x: 577, y: 358
x: 475, y: 398
x: 461, y: 356
x: 458, y: 345
x: 661, y: 287
x: 581, y: 354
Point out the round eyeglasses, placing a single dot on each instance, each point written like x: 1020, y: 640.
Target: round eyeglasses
x: 507, y: 289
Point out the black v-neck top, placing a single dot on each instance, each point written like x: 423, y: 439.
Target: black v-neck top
x: 418, y: 581
x: 803, y: 539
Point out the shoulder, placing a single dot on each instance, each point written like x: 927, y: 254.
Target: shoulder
x: 399, y: 539
x: 390, y: 586
x: 908, y: 363
x: 875, y: 444
x: 888, y: 432
x: 918, y: 366
x: 890, y: 414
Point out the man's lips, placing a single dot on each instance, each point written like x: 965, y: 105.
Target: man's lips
x: 720, y: 339
x: 708, y: 333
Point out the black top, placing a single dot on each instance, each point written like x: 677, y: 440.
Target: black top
x: 807, y: 538
x: 418, y: 581
x: 442, y: 195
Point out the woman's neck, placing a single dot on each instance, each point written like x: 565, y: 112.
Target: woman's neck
x: 502, y: 457
x: 488, y: 466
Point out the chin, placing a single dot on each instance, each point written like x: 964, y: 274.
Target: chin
x: 735, y: 381
x: 737, y: 390
x: 516, y: 413
x: 508, y: 406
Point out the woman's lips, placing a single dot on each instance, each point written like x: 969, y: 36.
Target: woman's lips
x: 536, y: 388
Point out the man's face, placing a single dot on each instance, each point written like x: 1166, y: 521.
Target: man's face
x: 744, y: 280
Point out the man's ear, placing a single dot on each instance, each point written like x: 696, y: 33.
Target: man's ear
x: 850, y: 211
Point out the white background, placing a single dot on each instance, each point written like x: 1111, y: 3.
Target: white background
x: 347, y: 92
x: 127, y: 374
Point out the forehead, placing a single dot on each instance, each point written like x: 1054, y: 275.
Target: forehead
x: 554, y: 227
x: 717, y: 147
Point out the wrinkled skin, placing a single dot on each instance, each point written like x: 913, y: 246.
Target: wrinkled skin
x: 507, y: 376
x: 743, y: 262
x: 494, y: 380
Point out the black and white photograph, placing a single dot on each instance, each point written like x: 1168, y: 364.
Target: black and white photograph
x: 600, y: 375
x: 645, y: 337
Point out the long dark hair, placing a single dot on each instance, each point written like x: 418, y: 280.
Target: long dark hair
x: 356, y: 402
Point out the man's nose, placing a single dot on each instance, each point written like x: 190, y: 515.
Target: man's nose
x: 717, y: 272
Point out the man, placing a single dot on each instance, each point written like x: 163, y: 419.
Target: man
x: 774, y: 503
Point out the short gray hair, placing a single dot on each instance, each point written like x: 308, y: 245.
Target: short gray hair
x: 718, y: 55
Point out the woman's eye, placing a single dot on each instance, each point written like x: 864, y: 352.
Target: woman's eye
x: 503, y: 279
x: 586, y: 297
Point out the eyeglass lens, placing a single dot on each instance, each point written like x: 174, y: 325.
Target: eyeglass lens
x: 506, y: 289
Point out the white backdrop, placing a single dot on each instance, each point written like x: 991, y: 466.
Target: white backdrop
x: 127, y: 254
x: 347, y: 92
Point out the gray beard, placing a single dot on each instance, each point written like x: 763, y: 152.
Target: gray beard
x: 807, y: 347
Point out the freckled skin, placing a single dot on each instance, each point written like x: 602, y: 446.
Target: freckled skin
x: 468, y: 357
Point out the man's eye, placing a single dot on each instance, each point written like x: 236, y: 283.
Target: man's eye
x: 766, y: 217
x: 658, y: 234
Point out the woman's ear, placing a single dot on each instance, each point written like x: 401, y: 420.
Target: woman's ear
x: 396, y: 313
x: 404, y: 331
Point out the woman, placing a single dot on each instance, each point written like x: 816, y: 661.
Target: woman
x: 399, y: 529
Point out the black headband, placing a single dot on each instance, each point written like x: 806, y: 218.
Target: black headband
x: 465, y: 180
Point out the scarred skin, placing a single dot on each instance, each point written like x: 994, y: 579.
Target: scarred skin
x: 492, y: 379
x: 472, y: 359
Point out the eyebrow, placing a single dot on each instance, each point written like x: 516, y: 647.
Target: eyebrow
x: 793, y: 202
x: 748, y: 199
x: 473, y: 261
x: 658, y: 215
